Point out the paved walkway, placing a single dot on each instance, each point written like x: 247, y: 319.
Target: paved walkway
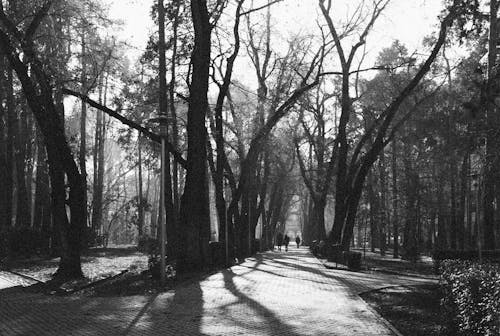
x: 4, y: 283
x: 273, y: 294
x: 361, y: 282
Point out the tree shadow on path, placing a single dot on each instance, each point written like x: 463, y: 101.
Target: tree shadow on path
x: 273, y: 324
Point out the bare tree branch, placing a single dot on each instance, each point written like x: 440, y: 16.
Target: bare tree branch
x: 153, y: 136
x: 35, y: 23
x: 259, y: 8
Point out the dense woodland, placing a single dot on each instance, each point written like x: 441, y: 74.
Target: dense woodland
x: 399, y: 154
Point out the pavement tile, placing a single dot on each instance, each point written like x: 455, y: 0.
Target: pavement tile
x: 275, y: 293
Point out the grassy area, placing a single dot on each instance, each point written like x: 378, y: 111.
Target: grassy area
x: 424, y: 267
x: 97, y: 264
x: 414, y: 311
x: 112, y: 271
x: 130, y: 283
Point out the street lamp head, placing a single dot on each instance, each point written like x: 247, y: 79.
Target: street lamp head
x: 162, y: 120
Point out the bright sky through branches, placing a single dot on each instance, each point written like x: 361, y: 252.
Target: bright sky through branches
x: 406, y: 20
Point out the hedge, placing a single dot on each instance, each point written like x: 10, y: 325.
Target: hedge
x: 471, y: 297
x: 21, y: 241
x: 334, y: 253
x: 217, y: 253
x: 487, y: 255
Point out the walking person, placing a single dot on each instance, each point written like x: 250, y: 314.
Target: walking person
x: 297, y: 240
x: 279, y: 240
x: 286, y: 242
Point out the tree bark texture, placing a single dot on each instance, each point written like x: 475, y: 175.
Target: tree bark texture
x: 195, y: 217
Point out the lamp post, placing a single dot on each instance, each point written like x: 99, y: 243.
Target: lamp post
x: 162, y: 121
x: 226, y: 224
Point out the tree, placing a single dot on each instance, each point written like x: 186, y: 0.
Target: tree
x: 318, y: 173
x: 171, y: 219
x: 354, y: 162
x: 39, y: 93
x: 280, y: 104
x: 221, y: 165
x: 195, y: 231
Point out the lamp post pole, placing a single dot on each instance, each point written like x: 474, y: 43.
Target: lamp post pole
x: 162, y: 121
x: 226, y: 224
x: 226, y: 236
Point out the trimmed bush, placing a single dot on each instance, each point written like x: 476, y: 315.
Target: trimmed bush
x: 314, y: 247
x: 335, y: 254
x: 471, y: 297
x: 491, y: 255
x: 148, y: 245
x: 487, y: 255
x: 217, y: 253
x: 352, y: 260
x: 411, y: 254
x: 20, y: 241
x: 88, y: 238
x: 322, y: 248
x: 256, y: 246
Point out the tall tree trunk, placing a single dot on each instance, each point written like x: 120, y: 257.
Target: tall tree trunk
x: 383, y: 208
x: 374, y: 208
x: 11, y: 125
x: 5, y: 162
x: 470, y: 208
x: 492, y: 150
x: 42, y: 209
x: 489, y: 186
x: 170, y: 215
x: 173, y: 112
x: 32, y: 155
x: 395, y: 195
x: 101, y: 168
x: 140, y: 199
x: 40, y: 97
x: 153, y: 224
x: 462, y: 210
x: 83, y: 127
x: 442, y: 241
x: 453, y: 229
x: 98, y: 160
x: 22, y: 208
x: 318, y: 219
x: 95, y: 161
x: 308, y: 222
x: 409, y: 232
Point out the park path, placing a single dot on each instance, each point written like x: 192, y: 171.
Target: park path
x: 275, y: 293
x: 5, y: 283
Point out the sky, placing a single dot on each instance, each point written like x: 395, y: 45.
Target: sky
x: 406, y: 20
x: 135, y: 16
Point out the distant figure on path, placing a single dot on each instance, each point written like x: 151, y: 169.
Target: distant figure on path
x: 279, y: 240
x: 297, y: 240
x: 287, y: 241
